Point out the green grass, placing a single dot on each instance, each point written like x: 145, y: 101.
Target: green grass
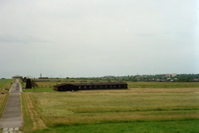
x: 5, y: 85
x: 186, y: 126
x: 51, y: 82
x: 3, y: 99
x: 48, y: 85
x: 28, y: 123
x: 40, y: 89
x: 163, y: 84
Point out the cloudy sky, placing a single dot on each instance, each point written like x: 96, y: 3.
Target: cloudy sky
x: 83, y: 38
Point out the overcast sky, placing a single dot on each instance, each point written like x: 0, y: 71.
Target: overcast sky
x: 86, y: 38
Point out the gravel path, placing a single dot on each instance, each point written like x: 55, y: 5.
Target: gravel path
x: 12, y: 119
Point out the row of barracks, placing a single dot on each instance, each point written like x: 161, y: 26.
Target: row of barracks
x: 91, y: 86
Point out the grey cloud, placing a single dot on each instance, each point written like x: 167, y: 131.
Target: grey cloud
x: 91, y: 38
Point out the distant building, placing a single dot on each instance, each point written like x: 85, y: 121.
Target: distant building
x: 28, y: 83
x: 91, y: 86
x: 174, y: 74
x: 17, y: 77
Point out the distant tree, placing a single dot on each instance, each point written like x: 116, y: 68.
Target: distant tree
x: 24, y: 79
x: 28, y: 84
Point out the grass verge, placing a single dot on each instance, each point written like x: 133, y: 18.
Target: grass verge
x: 3, y: 99
x: 185, y: 126
x: 5, y: 85
x: 31, y: 117
x: 39, y: 89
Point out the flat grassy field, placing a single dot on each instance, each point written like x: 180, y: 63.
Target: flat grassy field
x: 49, y: 83
x: 5, y: 85
x: 133, y: 110
x: 39, y: 89
x: 46, y: 85
x: 163, y: 84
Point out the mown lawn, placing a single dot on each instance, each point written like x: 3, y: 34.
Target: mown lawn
x: 135, y: 109
x: 186, y: 126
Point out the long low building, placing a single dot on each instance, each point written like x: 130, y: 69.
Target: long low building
x: 91, y: 86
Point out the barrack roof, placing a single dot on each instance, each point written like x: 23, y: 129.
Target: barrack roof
x: 92, y: 83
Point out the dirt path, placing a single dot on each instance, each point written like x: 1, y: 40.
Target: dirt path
x: 12, y: 117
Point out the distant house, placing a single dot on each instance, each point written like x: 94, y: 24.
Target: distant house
x: 174, y: 75
x: 17, y: 77
x: 91, y: 86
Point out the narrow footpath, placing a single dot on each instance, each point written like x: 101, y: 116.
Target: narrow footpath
x: 12, y: 119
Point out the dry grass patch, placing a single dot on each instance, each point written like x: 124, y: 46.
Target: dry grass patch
x: 5, y: 84
x: 3, y: 98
